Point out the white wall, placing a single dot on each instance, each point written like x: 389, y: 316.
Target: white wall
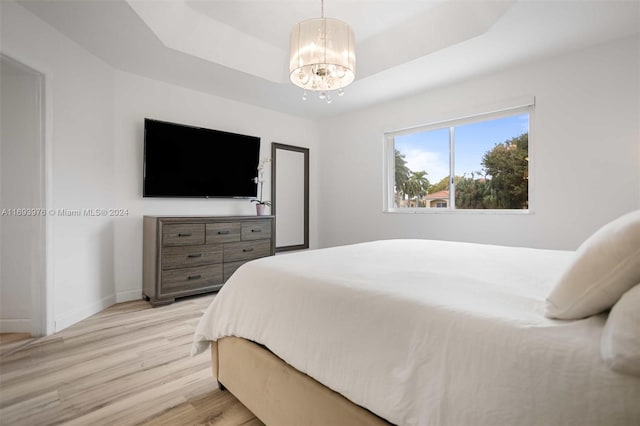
x: 80, y: 157
x: 21, y: 175
x: 137, y: 98
x: 586, y: 153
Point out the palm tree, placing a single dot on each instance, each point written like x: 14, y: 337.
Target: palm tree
x: 402, y: 173
x: 417, y: 186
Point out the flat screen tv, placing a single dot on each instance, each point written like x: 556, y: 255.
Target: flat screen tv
x: 187, y: 161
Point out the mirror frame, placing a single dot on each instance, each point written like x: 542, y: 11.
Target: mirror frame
x: 274, y: 164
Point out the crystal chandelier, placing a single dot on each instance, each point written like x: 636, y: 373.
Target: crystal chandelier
x: 322, y: 56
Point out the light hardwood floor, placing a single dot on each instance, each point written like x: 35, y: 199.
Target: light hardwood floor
x: 127, y: 365
x: 9, y: 342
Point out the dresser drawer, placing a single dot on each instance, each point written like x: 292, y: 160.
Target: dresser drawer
x: 224, y: 232
x: 246, y: 250
x: 256, y: 230
x: 183, y: 234
x: 231, y: 267
x: 183, y: 256
x: 176, y: 281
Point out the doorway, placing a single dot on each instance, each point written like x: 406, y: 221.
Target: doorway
x: 23, y: 307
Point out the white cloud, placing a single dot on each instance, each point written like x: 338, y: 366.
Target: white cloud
x: 433, y: 163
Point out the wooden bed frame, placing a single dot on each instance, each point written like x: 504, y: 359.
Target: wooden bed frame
x: 277, y: 393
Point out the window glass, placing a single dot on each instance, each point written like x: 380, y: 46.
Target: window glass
x: 421, y: 160
x: 491, y: 163
x: 487, y: 158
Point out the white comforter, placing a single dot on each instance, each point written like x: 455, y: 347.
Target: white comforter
x: 428, y: 333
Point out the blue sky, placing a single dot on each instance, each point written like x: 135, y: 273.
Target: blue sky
x: 429, y: 150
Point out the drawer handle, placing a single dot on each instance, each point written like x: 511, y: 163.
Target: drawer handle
x: 247, y: 250
x: 185, y: 234
x: 194, y: 277
x: 195, y: 255
x: 256, y: 230
x: 223, y: 232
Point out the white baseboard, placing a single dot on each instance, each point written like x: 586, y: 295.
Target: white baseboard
x: 15, y: 325
x: 128, y: 296
x: 64, y: 321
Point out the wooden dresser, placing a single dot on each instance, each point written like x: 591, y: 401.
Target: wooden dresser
x: 190, y: 255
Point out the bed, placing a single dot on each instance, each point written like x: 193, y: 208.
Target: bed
x: 411, y: 332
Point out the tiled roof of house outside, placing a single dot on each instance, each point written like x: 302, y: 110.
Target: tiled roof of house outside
x: 437, y: 195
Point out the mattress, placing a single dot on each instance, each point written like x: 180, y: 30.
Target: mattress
x: 428, y: 333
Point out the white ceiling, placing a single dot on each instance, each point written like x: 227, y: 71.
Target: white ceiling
x: 239, y: 49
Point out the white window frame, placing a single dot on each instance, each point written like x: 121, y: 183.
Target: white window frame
x: 389, y: 162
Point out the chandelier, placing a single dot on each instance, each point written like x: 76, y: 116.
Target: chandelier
x: 322, y: 56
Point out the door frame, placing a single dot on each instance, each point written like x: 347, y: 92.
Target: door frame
x: 42, y: 295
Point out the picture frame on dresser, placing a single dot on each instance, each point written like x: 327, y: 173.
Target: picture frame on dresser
x: 184, y: 256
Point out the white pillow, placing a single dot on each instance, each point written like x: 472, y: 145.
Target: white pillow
x: 620, y: 344
x: 607, y: 264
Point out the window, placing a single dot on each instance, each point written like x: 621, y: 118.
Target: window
x: 478, y: 163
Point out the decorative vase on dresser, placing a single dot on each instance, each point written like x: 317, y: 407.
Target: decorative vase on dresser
x: 183, y: 256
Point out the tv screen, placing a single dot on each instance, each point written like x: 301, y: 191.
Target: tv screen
x: 187, y: 161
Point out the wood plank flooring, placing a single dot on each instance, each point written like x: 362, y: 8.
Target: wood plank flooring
x: 127, y: 365
x: 9, y: 342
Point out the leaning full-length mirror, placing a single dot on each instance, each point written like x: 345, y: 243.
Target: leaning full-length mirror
x: 290, y: 196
